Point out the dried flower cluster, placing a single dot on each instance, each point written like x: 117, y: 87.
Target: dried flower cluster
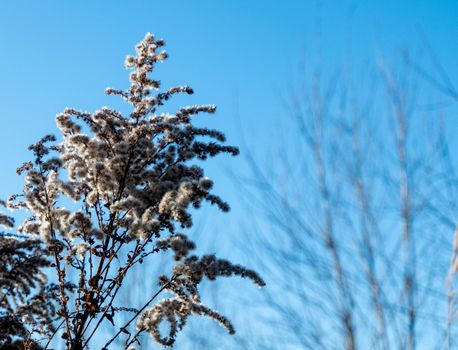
x: 184, y: 285
x: 131, y: 179
x: 27, y: 300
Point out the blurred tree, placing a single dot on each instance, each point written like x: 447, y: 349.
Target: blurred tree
x: 357, y: 209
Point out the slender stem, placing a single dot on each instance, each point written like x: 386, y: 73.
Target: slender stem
x: 139, y: 312
x: 60, y: 272
x: 55, y: 332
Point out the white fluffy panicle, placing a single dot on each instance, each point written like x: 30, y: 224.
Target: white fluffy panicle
x: 130, y: 178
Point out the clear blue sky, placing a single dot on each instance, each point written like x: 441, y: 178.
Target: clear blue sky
x: 63, y: 54
x: 57, y: 54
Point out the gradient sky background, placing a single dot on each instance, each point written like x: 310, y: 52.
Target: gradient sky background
x: 57, y: 54
x: 239, y: 55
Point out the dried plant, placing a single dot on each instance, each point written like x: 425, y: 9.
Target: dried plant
x: 105, y: 199
x: 28, y: 303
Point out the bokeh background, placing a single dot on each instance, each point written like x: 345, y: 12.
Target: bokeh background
x: 270, y: 67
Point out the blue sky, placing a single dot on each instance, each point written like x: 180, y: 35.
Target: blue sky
x: 58, y: 54
x: 239, y: 55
